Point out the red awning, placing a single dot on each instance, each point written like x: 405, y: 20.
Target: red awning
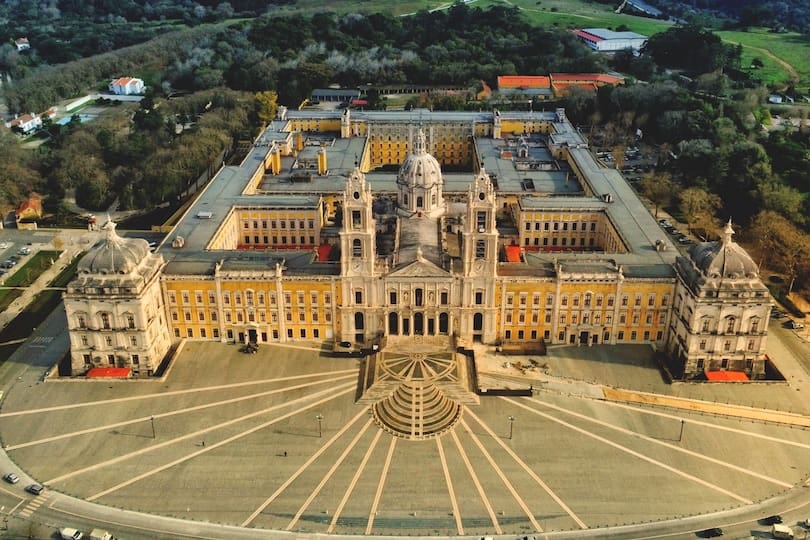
x: 513, y: 253
x: 108, y: 373
x: 324, y: 250
x: 725, y: 376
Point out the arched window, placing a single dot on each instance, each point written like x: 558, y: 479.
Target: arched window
x: 81, y: 320
x: 417, y: 297
x: 754, y: 325
x: 730, y: 324
x: 105, y: 321
x: 130, y: 320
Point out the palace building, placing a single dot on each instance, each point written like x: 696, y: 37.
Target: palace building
x: 492, y: 227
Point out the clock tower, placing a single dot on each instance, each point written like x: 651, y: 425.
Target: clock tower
x: 357, y: 237
x: 480, y: 236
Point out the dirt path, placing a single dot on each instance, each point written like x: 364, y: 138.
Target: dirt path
x: 794, y: 75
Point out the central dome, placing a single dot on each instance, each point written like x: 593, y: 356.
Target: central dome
x: 420, y: 168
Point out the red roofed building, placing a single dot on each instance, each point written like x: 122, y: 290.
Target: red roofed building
x: 561, y: 82
x: 538, y: 86
x: 30, y: 210
x: 126, y: 86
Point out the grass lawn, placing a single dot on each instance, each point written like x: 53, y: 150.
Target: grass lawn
x: 7, y: 296
x: 790, y: 47
x: 579, y: 14
x: 32, y: 269
x: 400, y: 7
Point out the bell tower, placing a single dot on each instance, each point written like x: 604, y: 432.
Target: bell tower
x: 480, y: 236
x: 357, y: 237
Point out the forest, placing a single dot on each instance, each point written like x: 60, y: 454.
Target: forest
x: 215, y: 78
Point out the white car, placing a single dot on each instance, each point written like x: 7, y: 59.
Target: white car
x: 3, y: 245
x: 69, y: 533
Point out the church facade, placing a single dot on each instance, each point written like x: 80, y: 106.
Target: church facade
x: 525, y: 240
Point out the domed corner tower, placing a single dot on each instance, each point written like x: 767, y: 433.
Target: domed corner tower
x: 114, y: 307
x: 719, y: 320
x: 420, y: 182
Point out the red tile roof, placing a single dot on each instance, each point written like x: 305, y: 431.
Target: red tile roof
x: 523, y: 81
x: 585, y: 78
x: 513, y: 253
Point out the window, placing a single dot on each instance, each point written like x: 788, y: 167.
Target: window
x: 358, y: 297
x: 705, y: 326
x: 249, y: 298
x: 81, y: 321
x: 620, y: 335
x: 727, y: 345
x: 133, y: 340
x: 754, y: 326
x: 84, y: 341
x: 357, y: 248
x: 651, y: 300
x: 444, y: 296
x: 750, y: 344
x: 226, y: 299
x: 213, y: 315
x: 172, y: 297
x: 185, y: 296
x: 535, y: 299
x: 200, y: 316
x: 198, y: 297
x: 564, y: 300
x: 111, y: 359
x: 549, y: 299
x: 576, y: 300
x: 479, y: 297
x: 177, y: 332
x: 480, y: 249
x: 327, y: 299
x: 356, y: 219
x: 108, y: 340
x: 187, y: 316
x: 105, y: 321
x: 216, y: 333
x: 610, y: 300
x: 417, y: 296
x: 510, y: 299
x: 508, y: 317
x: 190, y: 332
x: 730, y: 325
x: 587, y: 300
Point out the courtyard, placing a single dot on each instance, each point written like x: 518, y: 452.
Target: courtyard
x: 278, y: 440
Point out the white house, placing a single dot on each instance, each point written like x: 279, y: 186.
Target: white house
x: 126, y: 86
x: 26, y: 123
x: 604, y: 40
x: 22, y: 44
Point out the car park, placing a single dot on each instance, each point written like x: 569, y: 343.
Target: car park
x: 11, y: 478
x: 35, y: 489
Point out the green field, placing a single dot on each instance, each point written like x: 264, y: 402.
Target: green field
x: 401, y: 7
x: 581, y: 14
x: 31, y: 269
x: 790, y: 47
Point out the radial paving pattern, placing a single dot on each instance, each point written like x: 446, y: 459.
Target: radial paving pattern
x: 286, y: 440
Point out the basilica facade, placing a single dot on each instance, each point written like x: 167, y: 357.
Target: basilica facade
x: 344, y: 226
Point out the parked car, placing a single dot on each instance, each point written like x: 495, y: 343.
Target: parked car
x: 713, y: 532
x: 771, y: 520
x: 3, y: 245
x: 11, y: 478
x: 24, y: 250
x: 69, y: 533
x: 35, y: 489
x: 794, y: 325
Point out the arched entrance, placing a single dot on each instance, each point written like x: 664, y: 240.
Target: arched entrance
x: 418, y: 324
x: 393, y: 324
x: 443, y: 323
x: 478, y: 326
x: 419, y: 202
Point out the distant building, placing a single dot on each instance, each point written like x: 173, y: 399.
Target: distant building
x: 604, y: 40
x: 533, y: 86
x: 26, y: 123
x: 30, y: 210
x: 22, y: 44
x: 562, y: 82
x: 126, y: 86
x: 334, y: 95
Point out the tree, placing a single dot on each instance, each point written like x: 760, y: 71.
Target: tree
x: 658, y: 188
x: 618, y: 156
x: 267, y: 103
x: 699, y: 207
x: 787, y: 248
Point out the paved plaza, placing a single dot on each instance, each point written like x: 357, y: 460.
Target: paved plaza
x: 282, y: 440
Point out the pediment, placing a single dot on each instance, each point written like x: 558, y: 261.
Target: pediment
x: 420, y: 268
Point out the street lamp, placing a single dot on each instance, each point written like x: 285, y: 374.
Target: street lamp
x: 511, y: 423
x: 680, y: 435
x: 319, y: 418
x: 152, y: 420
